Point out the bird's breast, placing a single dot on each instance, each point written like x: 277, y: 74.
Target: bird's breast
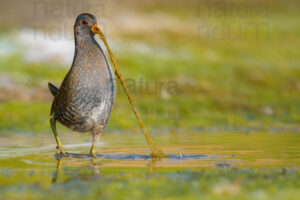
x: 86, y: 96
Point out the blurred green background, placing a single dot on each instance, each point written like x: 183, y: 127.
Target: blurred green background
x: 194, y: 67
x: 233, y: 64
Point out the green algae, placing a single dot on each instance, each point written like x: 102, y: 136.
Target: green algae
x: 236, y: 110
x: 232, y: 166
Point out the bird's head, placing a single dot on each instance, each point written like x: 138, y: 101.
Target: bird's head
x: 86, y: 25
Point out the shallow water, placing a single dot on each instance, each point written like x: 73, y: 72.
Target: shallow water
x: 30, y: 163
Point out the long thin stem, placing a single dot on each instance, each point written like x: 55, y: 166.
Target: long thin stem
x: 156, y: 151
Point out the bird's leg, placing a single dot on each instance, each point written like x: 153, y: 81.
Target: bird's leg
x: 94, y: 144
x: 58, y: 142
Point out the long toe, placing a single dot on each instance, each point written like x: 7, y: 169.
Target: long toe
x: 93, y: 154
x: 61, y: 152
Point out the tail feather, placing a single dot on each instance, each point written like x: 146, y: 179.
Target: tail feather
x: 53, y: 89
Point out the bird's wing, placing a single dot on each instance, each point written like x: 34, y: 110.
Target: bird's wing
x: 53, y: 89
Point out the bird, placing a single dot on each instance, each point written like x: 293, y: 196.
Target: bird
x: 84, y: 100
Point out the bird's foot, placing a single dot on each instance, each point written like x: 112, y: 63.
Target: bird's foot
x: 93, y: 154
x: 60, y: 151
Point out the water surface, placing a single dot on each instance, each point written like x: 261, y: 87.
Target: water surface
x: 214, y: 163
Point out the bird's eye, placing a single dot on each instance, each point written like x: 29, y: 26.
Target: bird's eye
x: 84, y: 22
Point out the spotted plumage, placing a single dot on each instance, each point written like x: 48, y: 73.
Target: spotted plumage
x: 85, y: 98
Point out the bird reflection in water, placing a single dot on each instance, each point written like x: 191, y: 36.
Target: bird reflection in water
x: 93, y: 164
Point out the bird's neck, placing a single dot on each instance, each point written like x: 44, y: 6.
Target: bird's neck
x: 83, y: 42
x: 87, y: 48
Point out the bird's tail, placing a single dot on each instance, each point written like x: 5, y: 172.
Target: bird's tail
x: 53, y: 89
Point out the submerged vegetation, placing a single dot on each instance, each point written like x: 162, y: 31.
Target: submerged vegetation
x: 218, y: 85
x: 227, y: 166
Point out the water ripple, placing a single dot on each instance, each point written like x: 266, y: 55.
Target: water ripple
x: 140, y: 156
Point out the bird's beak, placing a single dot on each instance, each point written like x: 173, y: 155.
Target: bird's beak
x: 95, y: 29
